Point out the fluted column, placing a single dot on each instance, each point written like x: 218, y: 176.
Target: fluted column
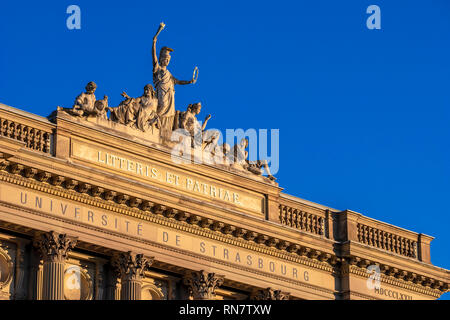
x: 54, y: 248
x: 113, y: 289
x: 202, y: 285
x: 35, y: 279
x: 39, y: 281
x: 35, y: 271
x: 270, y: 294
x: 131, y: 268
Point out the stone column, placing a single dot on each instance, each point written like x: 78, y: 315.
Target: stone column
x: 113, y: 289
x: 131, y: 268
x: 269, y: 294
x: 54, y: 248
x: 35, y: 279
x: 202, y: 285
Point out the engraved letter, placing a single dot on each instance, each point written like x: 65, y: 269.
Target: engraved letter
x: 21, y: 198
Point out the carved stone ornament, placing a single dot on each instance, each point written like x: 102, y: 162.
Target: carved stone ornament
x: 86, y: 105
x: 131, y: 266
x: 239, y: 160
x: 153, y: 291
x: 55, y: 247
x: 77, y: 284
x: 270, y: 294
x: 202, y: 285
x: 6, y: 268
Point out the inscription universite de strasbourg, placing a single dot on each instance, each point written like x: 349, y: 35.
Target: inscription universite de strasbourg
x: 131, y: 226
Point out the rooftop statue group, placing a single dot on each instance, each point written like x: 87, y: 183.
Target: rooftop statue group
x: 155, y: 110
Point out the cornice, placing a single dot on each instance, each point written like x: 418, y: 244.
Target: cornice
x: 394, y: 276
x: 362, y: 248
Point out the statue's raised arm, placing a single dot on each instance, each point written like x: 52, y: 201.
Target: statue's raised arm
x: 155, y: 38
x: 164, y: 83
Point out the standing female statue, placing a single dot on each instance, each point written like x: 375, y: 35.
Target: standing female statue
x: 164, y: 83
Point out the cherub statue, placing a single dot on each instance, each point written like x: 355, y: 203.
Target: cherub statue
x: 87, y: 105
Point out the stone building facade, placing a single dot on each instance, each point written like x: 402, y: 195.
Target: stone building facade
x: 92, y: 211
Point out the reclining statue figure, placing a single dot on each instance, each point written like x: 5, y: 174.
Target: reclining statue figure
x: 240, y: 160
x: 139, y: 113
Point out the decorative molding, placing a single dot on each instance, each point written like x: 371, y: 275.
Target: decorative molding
x: 165, y: 266
x: 54, y: 247
x: 6, y: 267
x: 188, y: 222
x: 269, y: 294
x: 85, y: 284
x: 131, y: 266
x: 155, y: 290
x: 184, y: 221
x: 202, y: 285
x: 395, y: 277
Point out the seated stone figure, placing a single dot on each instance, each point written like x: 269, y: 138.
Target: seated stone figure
x: 126, y: 112
x: 87, y: 105
x: 188, y: 121
x: 139, y: 113
x: 240, y: 160
x: 147, y: 117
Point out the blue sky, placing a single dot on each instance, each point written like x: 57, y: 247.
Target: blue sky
x: 363, y: 114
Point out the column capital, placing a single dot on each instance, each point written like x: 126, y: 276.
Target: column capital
x: 131, y: 266
x: 202, y: 285
x: 54, y: 247
x: 270, y: 294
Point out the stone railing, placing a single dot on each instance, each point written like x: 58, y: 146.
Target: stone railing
x: 302, y: 220
x: 34, y: 133
x: 381, y: 239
